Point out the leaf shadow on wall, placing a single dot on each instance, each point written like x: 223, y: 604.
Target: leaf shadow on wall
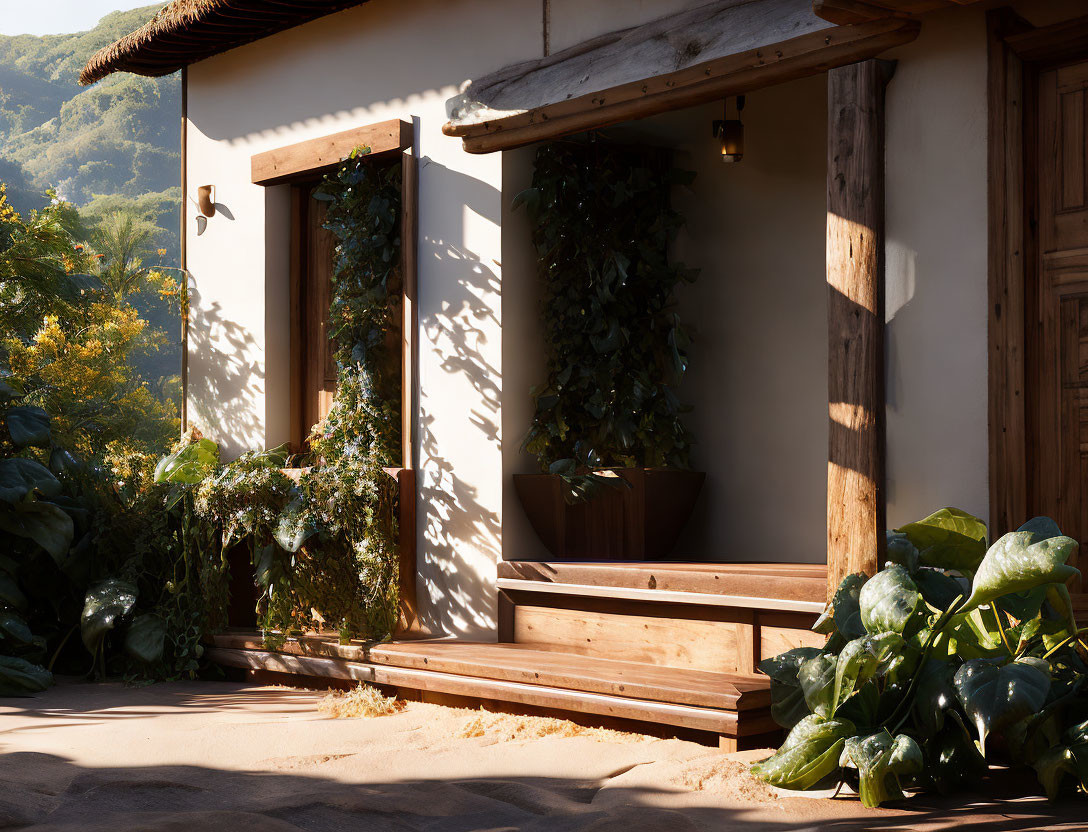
x: 459, y: 293
x: 223, y: 393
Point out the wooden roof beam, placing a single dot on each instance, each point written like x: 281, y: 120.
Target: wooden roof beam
x: 485, y: 126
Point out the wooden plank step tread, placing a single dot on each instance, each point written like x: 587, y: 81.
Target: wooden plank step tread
x: 526, y: 666
x: 727, y: 723
x: 801, y: 582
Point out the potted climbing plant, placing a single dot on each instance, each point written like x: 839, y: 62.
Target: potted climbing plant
x: 608, y: 429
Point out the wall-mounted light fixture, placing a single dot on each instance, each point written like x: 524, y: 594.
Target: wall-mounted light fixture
x: 205, y: 199
x: 730, y: 132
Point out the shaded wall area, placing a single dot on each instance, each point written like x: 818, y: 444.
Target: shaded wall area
x: 758, y: 377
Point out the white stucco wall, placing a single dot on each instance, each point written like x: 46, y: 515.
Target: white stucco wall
x: 375, y: 62
x: 936, y: 271
x: 378, y: 61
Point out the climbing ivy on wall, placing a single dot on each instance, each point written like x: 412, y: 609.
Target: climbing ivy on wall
x: 324, y: 549
x: 616, y: 349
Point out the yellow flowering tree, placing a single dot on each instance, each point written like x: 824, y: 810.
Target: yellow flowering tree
x: 73, y: 336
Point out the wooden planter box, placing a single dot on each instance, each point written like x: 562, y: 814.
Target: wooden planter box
x: 642, y: 522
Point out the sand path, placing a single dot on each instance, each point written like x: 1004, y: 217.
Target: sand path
x: 221, y: 756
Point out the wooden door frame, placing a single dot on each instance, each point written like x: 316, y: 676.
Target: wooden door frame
x: 303, y: 162
x: 1015, y: 50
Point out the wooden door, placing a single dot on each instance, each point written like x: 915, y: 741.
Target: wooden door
x: 320, y: 363
x: 1057, y: 297
x: 313, y: 373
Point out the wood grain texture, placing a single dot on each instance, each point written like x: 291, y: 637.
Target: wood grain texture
x: 407, y: 565
x: 855, y: 277
x: 670, y: 642
x: 848, y: 12
x: 1057, y: 296
x: 1005, y: 243
x: 655, y: 84
x: 299, y: 197
x: 721, y: 721
x: 319, y: 365
x: 788, y: 581
x: 1060, y: 41
x: 315, y: 156
x: 517, y: 663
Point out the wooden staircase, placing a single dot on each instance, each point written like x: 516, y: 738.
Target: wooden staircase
x: 674, y: 645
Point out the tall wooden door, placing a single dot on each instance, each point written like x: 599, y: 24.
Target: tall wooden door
x: 313, y: 365
x: 320, y: 369
x: 1056, y: 180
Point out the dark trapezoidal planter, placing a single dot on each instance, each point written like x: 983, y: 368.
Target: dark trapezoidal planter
x: 642, y: 522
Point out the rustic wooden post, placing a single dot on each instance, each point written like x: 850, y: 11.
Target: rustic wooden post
x: 855, y: 318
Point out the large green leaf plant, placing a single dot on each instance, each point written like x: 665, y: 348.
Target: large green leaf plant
x: 957, y: 653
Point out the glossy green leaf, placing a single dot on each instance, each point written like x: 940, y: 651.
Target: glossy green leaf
x: 20, y: 477
x: 1048, y: 631
x: 817, y: 678
x: 1015, y: 563
x: 1043, y: 528
x: 1030, y: 737
x: 809, y: 755
x: 939, y: 589
x: 846, y: 607
x: 28, y: 426
x: 145, y: 638
x: 953, y: 759
x: 19, y: 677
x: 10, y: 593
x: 934, y: 694
x: 974, y: 635
x: 889, y: 601
x: 788, y: 706
x: 1052, y: 768
x: 881, y: 762
x: 14, y: 629
x: 948, y: 539
x: 105, y: 603
x: 900, y: 550
x: 995, y: 697
x: 857, y: 663
x: 46, y: 524
x: 189, y: 465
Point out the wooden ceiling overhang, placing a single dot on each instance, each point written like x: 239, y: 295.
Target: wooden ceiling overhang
x: 704, y: 54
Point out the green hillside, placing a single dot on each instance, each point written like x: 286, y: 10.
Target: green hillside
x: 115, y: 143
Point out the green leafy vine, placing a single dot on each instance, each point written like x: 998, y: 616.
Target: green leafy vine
x: 616, y: 349
x: 324, y: 549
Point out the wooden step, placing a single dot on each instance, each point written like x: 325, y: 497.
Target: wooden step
x: 799, y: 587
x: 731, y: 705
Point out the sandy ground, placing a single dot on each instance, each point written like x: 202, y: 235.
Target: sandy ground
x: 221, y: 756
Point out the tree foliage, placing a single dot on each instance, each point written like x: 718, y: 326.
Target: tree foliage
x: 89, y: 545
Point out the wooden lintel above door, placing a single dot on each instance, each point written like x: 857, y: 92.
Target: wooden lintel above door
x: 311, y: 158
x: 699, y: 55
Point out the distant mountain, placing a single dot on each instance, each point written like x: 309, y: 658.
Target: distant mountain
x: 114, y: 143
